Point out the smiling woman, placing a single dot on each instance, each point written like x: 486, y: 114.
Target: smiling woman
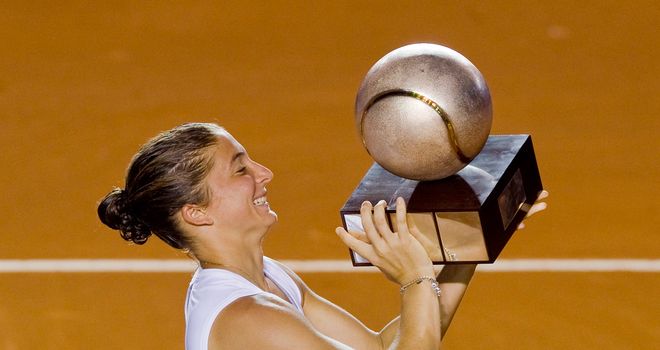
x: 197, y: 189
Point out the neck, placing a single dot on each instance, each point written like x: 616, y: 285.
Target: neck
x: 258, y: 278
x: 248, y: 263
x: 238, y: 252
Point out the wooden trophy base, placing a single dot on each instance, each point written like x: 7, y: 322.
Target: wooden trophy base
x: 467, y: 217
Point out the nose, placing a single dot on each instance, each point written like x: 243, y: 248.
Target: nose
x: 262, y: 175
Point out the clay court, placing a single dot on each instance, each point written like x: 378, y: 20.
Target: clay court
x: 84, y: 84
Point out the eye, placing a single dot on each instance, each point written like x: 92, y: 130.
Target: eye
x: 241, y: 170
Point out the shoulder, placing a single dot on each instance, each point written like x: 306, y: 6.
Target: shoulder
x: 209, y: 293
x: 266, y: 305
x: 214, y: 285
x: 271, y: 322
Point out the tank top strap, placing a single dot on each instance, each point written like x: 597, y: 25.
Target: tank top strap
x: 284, y: 282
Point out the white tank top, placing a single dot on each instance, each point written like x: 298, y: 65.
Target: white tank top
x: 211, y: 290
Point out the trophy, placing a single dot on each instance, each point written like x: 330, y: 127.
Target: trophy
x: 424, y: 114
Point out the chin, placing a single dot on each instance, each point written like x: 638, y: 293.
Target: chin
x: 273, y: 216
x: 269, y: 219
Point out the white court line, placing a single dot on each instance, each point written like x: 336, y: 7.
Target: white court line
x: 320, y: 266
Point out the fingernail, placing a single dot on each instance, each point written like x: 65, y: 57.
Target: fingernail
x: 382, y: 202
x: 366, y: 203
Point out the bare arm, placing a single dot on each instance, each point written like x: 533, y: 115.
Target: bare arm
x: 335, y: 322
x: 266, y: 322
x: 453, y: 281
x: 332, y: 320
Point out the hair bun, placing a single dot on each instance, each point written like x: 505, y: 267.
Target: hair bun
x: 114, y: 213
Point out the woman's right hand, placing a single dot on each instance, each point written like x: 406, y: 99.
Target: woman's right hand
x: 398, y: 255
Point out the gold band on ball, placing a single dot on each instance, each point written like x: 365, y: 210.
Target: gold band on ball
x: 436, y: 107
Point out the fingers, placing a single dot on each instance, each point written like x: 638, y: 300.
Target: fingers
x: 362, y: 248
x: 398, y: 256
x: 376, y: 228
x: 536, y: 208
x: 380, y: 221
x: 370, y: 228
x: 359, y: 236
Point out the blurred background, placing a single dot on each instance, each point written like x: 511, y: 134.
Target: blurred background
x: 84, y: 83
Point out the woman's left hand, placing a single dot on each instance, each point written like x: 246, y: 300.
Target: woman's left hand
x: 538, y: 206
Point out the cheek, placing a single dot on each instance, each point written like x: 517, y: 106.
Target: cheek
x: 232, y: 199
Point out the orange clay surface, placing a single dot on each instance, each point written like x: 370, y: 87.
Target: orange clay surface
x: 83, y: 84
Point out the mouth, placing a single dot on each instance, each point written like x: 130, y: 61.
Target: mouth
x: 260, y: 201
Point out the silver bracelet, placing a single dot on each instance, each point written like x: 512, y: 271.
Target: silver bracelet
x: 418, y: 280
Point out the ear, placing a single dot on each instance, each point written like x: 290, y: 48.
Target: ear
x: 195, y: 215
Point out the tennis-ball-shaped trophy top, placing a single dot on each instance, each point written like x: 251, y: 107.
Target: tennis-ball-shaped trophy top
x: 423, y: 112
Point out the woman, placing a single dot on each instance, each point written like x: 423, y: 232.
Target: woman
x: 196, y: 188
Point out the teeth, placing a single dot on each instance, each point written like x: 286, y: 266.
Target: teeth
x: 260, y: 201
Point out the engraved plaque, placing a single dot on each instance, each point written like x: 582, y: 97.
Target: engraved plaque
x: 512, y: 199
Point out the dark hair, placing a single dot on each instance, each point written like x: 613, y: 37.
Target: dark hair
x: 164, y: 175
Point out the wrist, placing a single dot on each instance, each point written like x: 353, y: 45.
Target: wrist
x: 428, y: 279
